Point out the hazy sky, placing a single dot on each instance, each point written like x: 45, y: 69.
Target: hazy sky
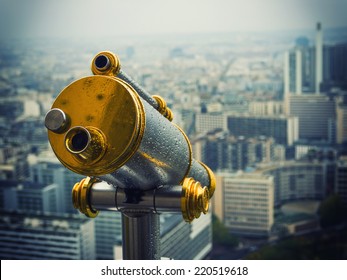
x: 114, y: 17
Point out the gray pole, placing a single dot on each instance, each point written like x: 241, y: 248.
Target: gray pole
x: 143, y: 93
x: 141, y: 235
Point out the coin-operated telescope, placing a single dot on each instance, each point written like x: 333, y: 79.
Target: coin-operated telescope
x: 137, y: 161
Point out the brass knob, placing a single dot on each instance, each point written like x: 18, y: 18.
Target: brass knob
x: 194, y: 200
x: 80, y: 197
x: 162, y: 107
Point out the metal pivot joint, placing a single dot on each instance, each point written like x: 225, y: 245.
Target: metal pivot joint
x: 191, y: 199
x: 136, y: 160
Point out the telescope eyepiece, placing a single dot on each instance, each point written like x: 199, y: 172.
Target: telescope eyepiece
x: 88, y: 144
x: 106, y: 64
x: 102, y: 62
x: 77, y: 139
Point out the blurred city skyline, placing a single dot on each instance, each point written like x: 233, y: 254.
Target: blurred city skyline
x: 93, y: 19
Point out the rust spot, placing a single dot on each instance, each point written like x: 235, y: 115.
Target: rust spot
x: 100, y: 96
x: 88, y: 82
x: 89, y: 118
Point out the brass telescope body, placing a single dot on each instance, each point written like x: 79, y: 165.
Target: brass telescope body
x: 124, y: 141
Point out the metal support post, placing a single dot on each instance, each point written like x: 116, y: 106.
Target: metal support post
x: 141, y: 235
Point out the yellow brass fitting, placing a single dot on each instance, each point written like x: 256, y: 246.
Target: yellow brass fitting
x: 194, y: 200
x: 88, y: 143
x: 106, y: 63
x: 162, y: 107
x: 212, y: 186
x: 80, y: 197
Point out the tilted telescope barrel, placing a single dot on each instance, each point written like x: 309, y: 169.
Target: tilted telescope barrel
x: 100, y: 126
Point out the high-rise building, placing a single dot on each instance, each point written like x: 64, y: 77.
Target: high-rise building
x: 303, y: 66
x: 317, y: 68
x: 183, y: 241
x: 341, y: 123
x: 47, y: 170
x: 36, y: 236
x: 293, y: 72
x: 266, y: 108
x: 222, y: 151
x: 314, y: 151
x: 244, y: 202
x: 297, y: 180
x: 319, y: 57
x: 341, y: 179
x: 108, y: 233
x: 33, y: 197
x: 66, y: 179
x: 335, y: 67
x: 42, y: 170
x: 283, y: 129
x: 299, y: 68
x: 315, y: 113
x: 205, y: 122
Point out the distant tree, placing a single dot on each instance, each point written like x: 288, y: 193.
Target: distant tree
x: 331, y: 211
x: 328, y: 246
x: 221, y: 235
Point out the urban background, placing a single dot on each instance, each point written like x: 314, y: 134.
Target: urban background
x: 266, y: 111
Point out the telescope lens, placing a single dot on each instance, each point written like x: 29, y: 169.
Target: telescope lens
x: 102, y: 62
x: 77, y: 139
x: 87, y: 144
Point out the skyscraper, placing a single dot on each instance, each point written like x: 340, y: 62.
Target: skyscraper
x: 341, y: 123
x: 223, y: 151
x: 299, y: 68
x: 182, y: 241
x: 33, y: 197
x: 335, y: 67
x: 303, y: 66
x: 210, y: 121
x: 283, y: 129
x: 296, y: 180
x: 317, y: 68
x: 293, y: 72
x: 319, y: 57
x: 315, y: 112
x: 47, y: 170
x: 341, y: 179
x: 266, y: 108
x: 244, y: 202
x: 108, y: 233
